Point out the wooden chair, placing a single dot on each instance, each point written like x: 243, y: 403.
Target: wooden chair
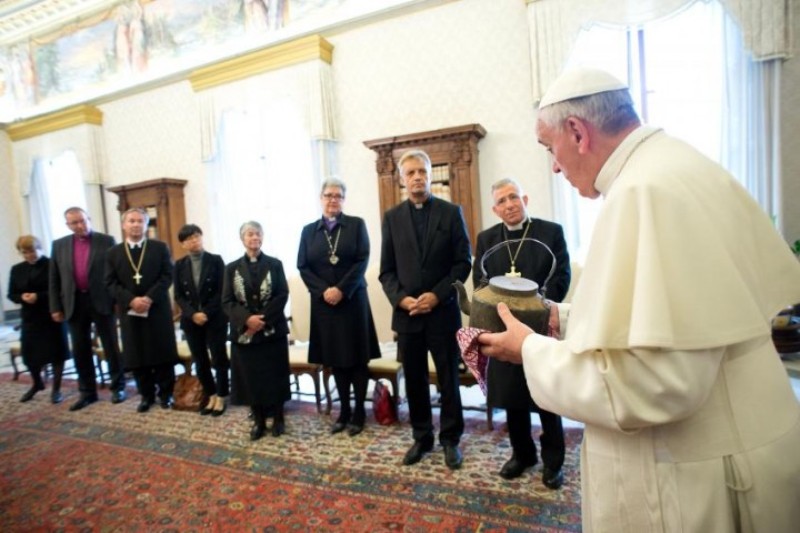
x: 15, y: 352
x: 465, y: 379
x: 383, y: 368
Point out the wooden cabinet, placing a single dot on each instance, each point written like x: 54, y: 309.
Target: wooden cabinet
x: 163, y: 200
x: 455, y: 177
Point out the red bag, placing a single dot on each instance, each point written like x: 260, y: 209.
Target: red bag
x: 383, y: 405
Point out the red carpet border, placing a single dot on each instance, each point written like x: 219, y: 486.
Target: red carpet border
x: 109, y: 468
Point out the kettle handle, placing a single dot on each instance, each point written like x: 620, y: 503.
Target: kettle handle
x: 493, y: 249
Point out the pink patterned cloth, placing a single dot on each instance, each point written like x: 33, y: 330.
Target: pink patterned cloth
x: 471, y: 354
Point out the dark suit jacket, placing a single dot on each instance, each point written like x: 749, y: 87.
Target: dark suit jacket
x: 207, y: 298
x: 405, y: 271
x: 62, y: 280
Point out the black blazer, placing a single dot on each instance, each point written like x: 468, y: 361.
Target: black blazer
x: 207, y: 298
x: 62, y: 280
x: 239, y: 300
x: 405, y: 271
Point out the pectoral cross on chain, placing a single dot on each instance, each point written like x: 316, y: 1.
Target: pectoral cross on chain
x: 513, y: 273
x: 138, y: 278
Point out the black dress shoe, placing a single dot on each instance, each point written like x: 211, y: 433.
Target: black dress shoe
x: 415, y: 453
x: 165, y: 403
x: 56, y: 397
x: 30, y: 393
x: 278, y: 427
x: 552, y: 479
x: 257, y: 431
x: 118, y: 396
x: 515, y: 467
x: 452, y: 457
x: 338, y: 427
x: 144, y: 406
x: 83, y: 402
x: 354, y: 429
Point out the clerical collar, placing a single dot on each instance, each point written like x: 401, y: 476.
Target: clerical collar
x: 422, y: 204
x: 517, y: 227
x: 132, y: 244
x: 330, y: 222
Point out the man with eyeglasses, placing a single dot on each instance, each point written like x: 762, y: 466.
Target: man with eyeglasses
x: 425, y: 250
x: 78, y: 295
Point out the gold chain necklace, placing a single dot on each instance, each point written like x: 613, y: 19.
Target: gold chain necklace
x: 137, y: 277
x: 513, y: 272
x: 333, y: 246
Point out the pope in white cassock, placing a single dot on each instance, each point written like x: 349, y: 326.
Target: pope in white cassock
x: 690, y: 420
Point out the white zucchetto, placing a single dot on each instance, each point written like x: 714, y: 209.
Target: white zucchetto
x: 579, y: 82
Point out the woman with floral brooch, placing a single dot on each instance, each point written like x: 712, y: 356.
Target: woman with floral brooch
x: 254, y: 295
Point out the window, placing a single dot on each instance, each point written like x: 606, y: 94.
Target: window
x: 56, y: 184
x: 263, y: 171
x: 675, y: 69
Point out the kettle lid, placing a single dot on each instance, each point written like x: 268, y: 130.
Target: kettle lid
x: 514, y: 285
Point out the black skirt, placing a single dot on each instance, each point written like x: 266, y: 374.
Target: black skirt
x: 260, y: 372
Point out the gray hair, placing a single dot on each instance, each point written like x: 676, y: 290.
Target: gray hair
x: 334, y: 182
x: 75, y: 210
x: 499, y: 184
x: 609, y: 111
x: 418, y: 155
x: 250, y: 224
x: 141, y: 210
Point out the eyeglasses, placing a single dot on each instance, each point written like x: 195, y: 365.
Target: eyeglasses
x: 333, y: 196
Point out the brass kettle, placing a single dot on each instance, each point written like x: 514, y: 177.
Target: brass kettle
x: 522, y: 295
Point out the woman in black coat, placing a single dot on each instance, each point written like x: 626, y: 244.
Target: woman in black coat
x: 332, y: 260
x: 254, y: 294
x: 43, y: 340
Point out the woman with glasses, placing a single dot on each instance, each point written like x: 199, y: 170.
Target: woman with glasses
x: 332, y: 260
x: 42, y: 340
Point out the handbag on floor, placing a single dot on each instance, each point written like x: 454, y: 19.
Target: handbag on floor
x: 383, y: 405
x: 188, y: 393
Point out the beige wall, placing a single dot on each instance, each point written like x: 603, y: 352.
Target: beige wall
x: 450, y: 64
x: 790, y: 140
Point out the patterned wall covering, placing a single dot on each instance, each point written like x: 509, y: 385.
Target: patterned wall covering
x: 790, y: 140
x: 9, y: 219
x: 155, y: 135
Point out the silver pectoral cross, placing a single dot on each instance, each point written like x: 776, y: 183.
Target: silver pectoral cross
x: 138, y: 278
x: 513, y: 273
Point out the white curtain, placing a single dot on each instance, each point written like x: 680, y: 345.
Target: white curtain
x: 268, y: 142
x: 751, y: 120
x: 39, y: 204
x: 555, y: 24
x: 757, y: 33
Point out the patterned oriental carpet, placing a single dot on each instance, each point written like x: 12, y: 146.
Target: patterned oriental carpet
x: 109, y: 468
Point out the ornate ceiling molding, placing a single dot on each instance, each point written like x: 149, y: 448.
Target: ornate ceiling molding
x: 22, y: 18
x: 260, y: 61
x: 73, y: 116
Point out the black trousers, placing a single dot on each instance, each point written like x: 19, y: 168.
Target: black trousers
x: 414, y: 348
x: 147, y: 377
x: 552, y: 438
x: 203, y: 340
x: 80, y: 330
